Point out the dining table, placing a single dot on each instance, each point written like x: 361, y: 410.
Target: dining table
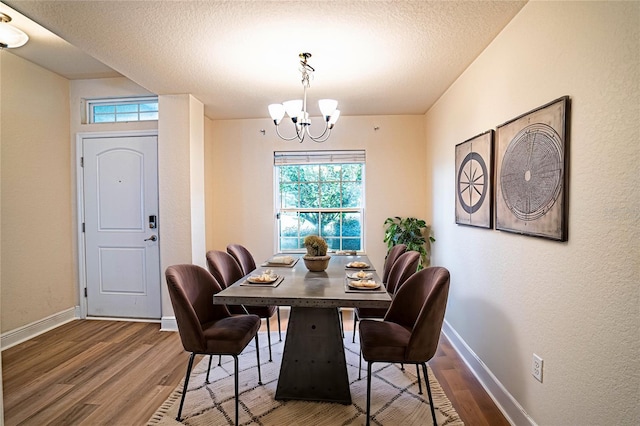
x: 313, y: 364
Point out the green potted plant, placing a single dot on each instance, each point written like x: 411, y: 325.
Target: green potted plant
x: 316, y: 259
x: 413, y: 232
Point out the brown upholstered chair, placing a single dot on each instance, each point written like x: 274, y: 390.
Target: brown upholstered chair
x: 247, y: 263
x: 411, y: 328
x: 206, y: 328
x: 392, y: 256
x: 226, y: 271
x: 243, y: 256
x: 405, y: 266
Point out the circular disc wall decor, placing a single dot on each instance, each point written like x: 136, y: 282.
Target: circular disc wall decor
x: 531, y: 175
x: 473, y: 181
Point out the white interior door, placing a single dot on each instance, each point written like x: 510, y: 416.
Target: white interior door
x: 120, y: 181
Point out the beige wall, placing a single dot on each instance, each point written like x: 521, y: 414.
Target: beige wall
x: 576, y: 303
x: 38, y: 269
x: 239, y: 177
x: 181, y: 187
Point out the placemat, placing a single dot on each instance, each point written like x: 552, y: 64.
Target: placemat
x: 347, y: 289
x: 280, y: 265
x: 276, y: 283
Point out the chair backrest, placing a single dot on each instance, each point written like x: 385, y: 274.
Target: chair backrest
x: 191, y: 290
x: 392, y: 256
x: 419, y: 305
x: 243, y: 257
x: 223, y: 267
x: 402, y: 269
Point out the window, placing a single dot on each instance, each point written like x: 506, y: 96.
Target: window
x: 122, y: 110
x: 320, y: 193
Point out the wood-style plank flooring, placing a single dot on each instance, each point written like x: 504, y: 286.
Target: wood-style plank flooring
x: 91, y: 372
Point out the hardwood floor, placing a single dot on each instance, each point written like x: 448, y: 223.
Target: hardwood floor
x: 118, y: 373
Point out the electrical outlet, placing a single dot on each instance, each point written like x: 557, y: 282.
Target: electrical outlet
x: 536, y: 367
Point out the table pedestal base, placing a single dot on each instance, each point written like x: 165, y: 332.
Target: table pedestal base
x: 314, y: 367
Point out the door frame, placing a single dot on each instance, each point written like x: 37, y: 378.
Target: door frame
x: 82, y: 273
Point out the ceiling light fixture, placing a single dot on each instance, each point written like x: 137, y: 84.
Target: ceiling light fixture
x: 10, y: 36
x: 297, y: 109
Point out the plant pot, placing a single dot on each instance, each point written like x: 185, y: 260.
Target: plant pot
x: 316, y: 263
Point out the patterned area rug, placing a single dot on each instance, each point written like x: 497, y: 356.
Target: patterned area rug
x: 394, y: 401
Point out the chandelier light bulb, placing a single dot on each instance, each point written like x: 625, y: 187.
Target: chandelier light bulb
x: 334, y: 118
x: 293, y: 108
x: 276, y: 111
x: 327, y: 107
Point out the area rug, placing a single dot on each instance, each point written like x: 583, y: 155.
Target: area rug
x: 395, y: 399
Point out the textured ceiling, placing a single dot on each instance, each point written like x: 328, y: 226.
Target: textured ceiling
x: 374, y: 57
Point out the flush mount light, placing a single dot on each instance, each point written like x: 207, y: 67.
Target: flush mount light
x: 10, y: 36
x: 297, y: 109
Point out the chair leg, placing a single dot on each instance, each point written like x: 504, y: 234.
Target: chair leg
x: 355, y: 323
x: 341, y: 323
x: 258, y: 359
x: 419, y: 384
x: 209, y: 369
x: 269, y: 339
x: 186, y: 383
x: 401, y: 366
x: 426, y: 379
x: 279, y: 327
x: 219, y: 360
x: 368, y: 393
x: 360, y: 366
x: 235, y: 377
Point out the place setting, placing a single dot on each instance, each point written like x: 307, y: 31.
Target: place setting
x: 281, y: 261
x: 364, y: 266
x: 362, y: 281
x: 265, y: 279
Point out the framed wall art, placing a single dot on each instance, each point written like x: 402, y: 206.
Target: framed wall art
x: 532, y: 172
x: 474, y: 167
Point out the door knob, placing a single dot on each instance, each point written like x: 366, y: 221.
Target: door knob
x: 151, y: 238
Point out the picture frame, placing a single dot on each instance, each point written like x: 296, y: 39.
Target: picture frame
x: 474, y: 181
x: 531, y: 177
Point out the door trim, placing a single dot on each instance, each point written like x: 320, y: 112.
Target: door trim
x: 82, y: 273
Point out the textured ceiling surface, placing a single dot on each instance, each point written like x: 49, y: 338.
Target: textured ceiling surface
x: 374, y: 57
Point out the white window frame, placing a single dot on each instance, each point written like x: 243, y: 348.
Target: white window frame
x: 283, y: 158
x: 91, y: 103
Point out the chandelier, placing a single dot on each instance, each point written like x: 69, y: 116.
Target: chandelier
x: 10, y: 36
x: 297, y: 109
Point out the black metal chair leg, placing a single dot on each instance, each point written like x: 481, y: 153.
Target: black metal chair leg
x: 355, y: 324
x: 209, y: 369
x: 235, y: 376
x: 186, y: 383
x: 219, y: 360
x: 419, y: 384
x: 341, y: 323
x: 279, y: 327
x: 360, y: 366
x: 269, y: 339
x: 368, y: 393
x: 258, y: 358
x: 426, y: 379
x: 401, y: 366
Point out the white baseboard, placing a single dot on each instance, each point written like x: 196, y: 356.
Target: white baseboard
x: 29, y: 331
x: 511, y: 408
x: 168, y: 324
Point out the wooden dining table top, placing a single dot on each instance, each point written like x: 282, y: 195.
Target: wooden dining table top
x: 303, y: 288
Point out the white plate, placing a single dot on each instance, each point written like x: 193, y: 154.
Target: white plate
x: 357, y: 265
x: 364, y: 285
x: 354, y: 275
x: 258, y: 279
